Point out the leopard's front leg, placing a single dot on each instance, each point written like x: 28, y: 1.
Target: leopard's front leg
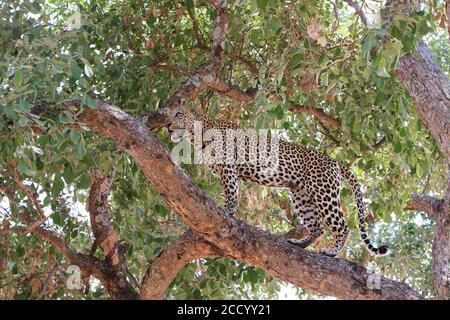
x: 230, y: 185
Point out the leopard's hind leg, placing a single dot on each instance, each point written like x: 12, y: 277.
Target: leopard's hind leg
x: 334, y: 219
x: 306, y: 210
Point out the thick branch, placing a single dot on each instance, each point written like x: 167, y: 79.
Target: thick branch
x: 102, y: 228
x: 171, y: 260
x: 188, y: 90
x: 235, y: 238
x: 429, y: 205
x: 429, y: 87
x: 104, y: 233
x: 180, y: 252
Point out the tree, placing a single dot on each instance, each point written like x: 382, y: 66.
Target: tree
x: 86, y: 88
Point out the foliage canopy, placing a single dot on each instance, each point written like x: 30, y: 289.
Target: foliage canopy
x: 134, y: 54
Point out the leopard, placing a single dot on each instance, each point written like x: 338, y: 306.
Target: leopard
x: 314, y: 178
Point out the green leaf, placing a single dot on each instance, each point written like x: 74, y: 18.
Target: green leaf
x: 68, y: 174
x: 391, y: 49
x: 76, y: 71
x: 162, y: 210
x: 84, y: 181
x: 20, y: 251
x: 57, y: 219
x: 81, y: 149
x: 24, y: 106
x: 367, y: 44
x: 23, y: 167
x: 148, y: 60
x: 91, y: 103
x: 17, y: 80
x: 381, y: 69
x: 278, y: 112
x: 74, y: 135
x: 274, y: 25
x: 196, y: 294
x: 40, y: 66
x: 252, y: 275
x: 189, y: 4
x: 23, y: 121
x: 387, y: 217
x: 254, y: 36
x: 295, y: 61
x: 58, y: 185
x: 262, y: 4
x: 130, y: 251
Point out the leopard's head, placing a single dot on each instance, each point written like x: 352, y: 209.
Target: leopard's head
x: 180, y: 123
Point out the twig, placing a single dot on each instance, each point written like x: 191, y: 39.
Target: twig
x: 359, y: 11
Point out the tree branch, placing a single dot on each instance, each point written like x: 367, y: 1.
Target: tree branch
x: 318, y: 113
x: 429, y: 205
x: 112, y: 276
x: 104, y: 233
x: 102, y: 228
x: 359, y: 11
x: 171, y: 260
x: 429, y: 87
x: 88, y: 264
x: 29, y: 193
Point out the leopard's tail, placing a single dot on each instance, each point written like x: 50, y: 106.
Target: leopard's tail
x: 350, y: 176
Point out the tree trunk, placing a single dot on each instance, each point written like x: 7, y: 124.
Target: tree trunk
x: 429, y: 87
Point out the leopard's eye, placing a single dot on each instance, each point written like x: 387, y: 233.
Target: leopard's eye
x: 178, y: 115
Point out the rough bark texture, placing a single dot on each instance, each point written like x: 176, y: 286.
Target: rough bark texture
x: 235, y: 238
x: 441, y: 250
x: 439, y: 210
x: 429, y: 87
x: 104, y: 233
x: 171, y: 260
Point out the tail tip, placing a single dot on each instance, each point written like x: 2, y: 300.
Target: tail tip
x: 383, y: 251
